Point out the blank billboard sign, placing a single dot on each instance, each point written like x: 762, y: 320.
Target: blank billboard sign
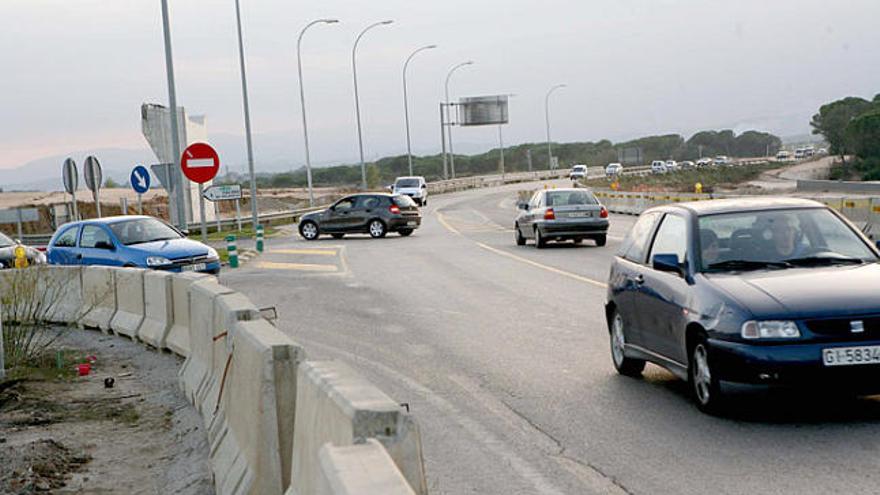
x: 482, y: 110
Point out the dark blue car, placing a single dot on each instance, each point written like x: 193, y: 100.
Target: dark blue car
x: 760, y: 291
x: 133, y: 241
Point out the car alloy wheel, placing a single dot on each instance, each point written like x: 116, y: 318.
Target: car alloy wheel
x: 540, y: 242
x: 377, y: 229
x: 309, y: 230
x: 624, y: 365
x: 702, y: 374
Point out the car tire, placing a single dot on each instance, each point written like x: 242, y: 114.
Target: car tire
x: 309, y: 230
x: 405, y: 232
x: 377, y: 229
x: 540, y: 242
x: 704, y: 384
x: 425, y: 202
x: 338, y: 236
x: 520, y: 239
x: 601, y: 240
x: 624, y: 365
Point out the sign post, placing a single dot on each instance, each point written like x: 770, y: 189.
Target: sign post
x: 71, y: 182
x: 140, y: 182
x: 229, y: 192
x: 200, y: 164
x: 94, y: 179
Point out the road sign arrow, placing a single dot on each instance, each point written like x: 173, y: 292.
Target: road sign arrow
x: 223, y: 193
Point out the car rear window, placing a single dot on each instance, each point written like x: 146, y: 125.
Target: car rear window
x: 570, y: 198
x: 403, y: 201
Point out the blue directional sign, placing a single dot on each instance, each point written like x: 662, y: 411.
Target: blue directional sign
x: 140, y: 179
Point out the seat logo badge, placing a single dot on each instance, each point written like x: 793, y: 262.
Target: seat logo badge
x: 857, y: 326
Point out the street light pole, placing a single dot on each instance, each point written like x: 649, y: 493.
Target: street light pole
x: 302, y: 100
x: 357, y: 101
x: 547, y: 117
x: 177, y: 180
x: 247, y: 120
x: 406, y: 104
x: 448, y: 116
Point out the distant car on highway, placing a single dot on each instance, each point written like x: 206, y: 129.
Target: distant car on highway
x: 130, y: 240
x: 561, y: 215
x: 722, y: 160
x: 7, y: 253
x: 784, y: 156
x: 578, y: 172
x: 704, y: 162
x: 414, y: 187
x: 613, y: 169
x: 687, y: 164
x: 671, y: 165
x: 658, y: 167
x: 757, y: 291
x: 371, y: 213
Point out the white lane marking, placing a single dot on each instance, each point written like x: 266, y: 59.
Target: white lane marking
x: 543, y: 266
x: 488, y: 220
x: 476, y: 430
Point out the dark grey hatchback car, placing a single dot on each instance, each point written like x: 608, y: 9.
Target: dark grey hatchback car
x: 374, y: 213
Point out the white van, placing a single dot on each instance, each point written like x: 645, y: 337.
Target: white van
x: 658, y: 167
x: 414, y: 187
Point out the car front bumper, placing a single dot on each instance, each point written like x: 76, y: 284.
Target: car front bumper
x: 791, y: 365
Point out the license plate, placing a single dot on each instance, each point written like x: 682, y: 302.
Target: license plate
x: 198, y: 267
x: 849, y: 356
x: 579, y: 214
x: 412, y: 223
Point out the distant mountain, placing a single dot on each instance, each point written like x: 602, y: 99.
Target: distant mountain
x: 44, y: 174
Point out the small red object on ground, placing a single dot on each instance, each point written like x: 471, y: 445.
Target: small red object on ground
x: 84, y: 369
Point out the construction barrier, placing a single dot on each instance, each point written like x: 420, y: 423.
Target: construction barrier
x: 99, y: 297
x: 158, y: 308
x: 357, y: 469
x: 129, y: 308
x: 178, y: 336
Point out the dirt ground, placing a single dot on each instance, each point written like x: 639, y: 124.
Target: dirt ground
x: 70, y: 434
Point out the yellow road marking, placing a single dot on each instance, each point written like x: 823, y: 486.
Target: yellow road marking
x: 443, y: 221
x: 305, y: 267
x: 318, y: 252
x: 543, y: 267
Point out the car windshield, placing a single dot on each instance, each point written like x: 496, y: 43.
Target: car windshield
x: 143, y: 230
x: 407, y: 183
x: 778, y: 239
x: 404, y: 201
x: 570, y: 198
x: 579, y: 168
x: 5, y: 241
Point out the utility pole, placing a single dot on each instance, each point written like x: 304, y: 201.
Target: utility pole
x: 406, y: 105
x: 247, y: 120
x: 547, y: 118
x: 357, y: 100
x: 177, y: 173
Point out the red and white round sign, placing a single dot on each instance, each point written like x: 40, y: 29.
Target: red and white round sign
x: 200, y: 162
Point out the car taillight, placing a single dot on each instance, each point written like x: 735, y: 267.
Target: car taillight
x: 549, y: 214
x: 394, y: 209
x: 603, y: 213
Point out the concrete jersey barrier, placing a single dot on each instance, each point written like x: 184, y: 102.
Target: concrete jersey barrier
x: 178, y: 336
x: 359, y: 469
x: 129, y: 302
x: 158, y: 308
x: 99, y: 297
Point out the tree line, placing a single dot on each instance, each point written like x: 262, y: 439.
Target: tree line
x: 851, y: 126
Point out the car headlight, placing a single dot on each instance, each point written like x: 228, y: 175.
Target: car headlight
x: 157, y: 261
x: 212, y: 254
x: 771, y: 329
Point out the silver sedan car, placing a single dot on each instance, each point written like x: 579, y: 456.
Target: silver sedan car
x: 560, y: 215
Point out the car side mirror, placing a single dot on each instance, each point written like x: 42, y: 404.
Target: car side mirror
x: 522, y: 206
x: 104, y: 245
x: 667, y: 263
x: 424, y: 186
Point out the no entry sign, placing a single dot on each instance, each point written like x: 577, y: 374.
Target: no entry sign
x: 200, y: 162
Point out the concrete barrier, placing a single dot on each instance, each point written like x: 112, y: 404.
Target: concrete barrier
x: 335, y: 404
x: 252, y: 434
x: 61, y: 291
x: 129, y: 301
x: 359, y: 469
x: 178, y: 336
x: 99, y: 297
x: 158, y: 308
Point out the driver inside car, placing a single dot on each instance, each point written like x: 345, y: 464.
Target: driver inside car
x: 785, y: 239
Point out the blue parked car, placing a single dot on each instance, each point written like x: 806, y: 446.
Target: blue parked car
x: 760, y: 291
x: 134, y: 241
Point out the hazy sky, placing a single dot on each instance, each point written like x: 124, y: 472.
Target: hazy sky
x: 74, y: 72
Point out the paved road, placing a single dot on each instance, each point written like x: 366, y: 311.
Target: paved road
x: 502, y: 353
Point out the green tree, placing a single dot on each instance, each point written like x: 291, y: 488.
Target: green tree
x: 110, y: 183
x: 862, y: 134
x: 374, y: 176
x: 834, y: 117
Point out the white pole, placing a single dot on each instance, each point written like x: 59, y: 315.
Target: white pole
x: 247, y: 122
x: 202, y: 213
x: 406, y: 105
x: 238, y: 213
x: 547, y: 118
x: 357, y: 101
x: 302, y: 101
x: 449, y: 117
x: 177, y: 186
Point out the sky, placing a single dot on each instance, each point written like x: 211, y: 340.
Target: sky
x: 75, y: 72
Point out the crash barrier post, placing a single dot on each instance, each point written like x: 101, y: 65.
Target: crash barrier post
x: 357, y: 469
x: 335, y: 404
x: 259, y: 238
x: 178, y: 336
x: 130, y: 306
x: 99, y: 297
x: 232, y: 251
x: 158, y: 308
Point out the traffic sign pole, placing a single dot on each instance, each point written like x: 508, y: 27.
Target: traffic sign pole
x: 238, y: 213
x: 217, y: 216
x: 202, y: 213
x: 140, y: 205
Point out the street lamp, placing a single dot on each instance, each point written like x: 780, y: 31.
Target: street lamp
x: 449, y: 131
x: 547, y: 117
x: 406, y: 104
x: 247, y: 122
x: 357, y: 102
x: 302, y: 100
